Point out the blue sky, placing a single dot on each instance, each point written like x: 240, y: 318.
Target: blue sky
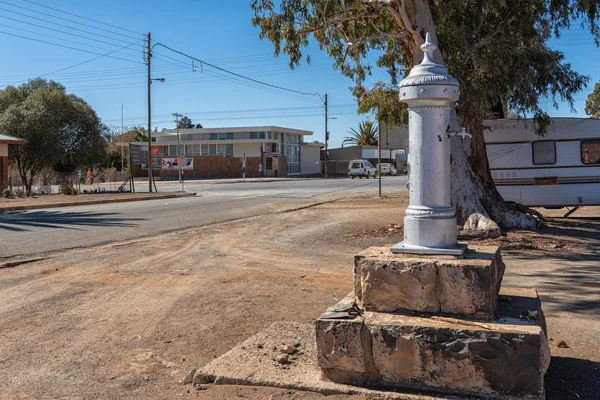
x: 217, y: 32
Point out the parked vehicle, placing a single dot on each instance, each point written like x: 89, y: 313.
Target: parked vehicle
x: 560, y: 169
x: 387, y: 169
x: 361, y: 168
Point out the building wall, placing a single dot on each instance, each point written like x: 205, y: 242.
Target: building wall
x: 3, y: 166
x: 310, y: 160
x: 3, y: 172
x: 251, y: 149
x: 396, y: 137
x: 344, y: 153
x: 217, y: 167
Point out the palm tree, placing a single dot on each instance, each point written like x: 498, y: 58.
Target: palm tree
x: 366, y: 135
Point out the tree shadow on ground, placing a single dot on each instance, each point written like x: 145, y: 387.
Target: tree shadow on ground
x: 573, y: 379
x: 20, y: 221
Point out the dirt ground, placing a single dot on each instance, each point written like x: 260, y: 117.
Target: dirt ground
x: 128, y: 320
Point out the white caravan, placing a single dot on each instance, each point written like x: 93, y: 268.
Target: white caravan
x: 560, y: 169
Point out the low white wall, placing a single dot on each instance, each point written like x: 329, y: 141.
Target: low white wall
x: 310, y: 160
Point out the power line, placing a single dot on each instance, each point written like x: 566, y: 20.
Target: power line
x: 82, y: 17
x: 68, y: 20
x: 63, y: 39
x: 69, y: 47
x: 234, y: 73
x: 78, y: 64
x: 56, y: 23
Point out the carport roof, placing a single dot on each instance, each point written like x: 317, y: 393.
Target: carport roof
x: 6, y: 139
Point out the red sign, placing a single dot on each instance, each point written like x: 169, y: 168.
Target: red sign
x: 154, y: 150
x: 267, y: 148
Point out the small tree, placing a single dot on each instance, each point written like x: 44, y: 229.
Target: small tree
x: 366, y: 135
x: 61, y: 129
x: 592, y: 104
x: 186, y: 123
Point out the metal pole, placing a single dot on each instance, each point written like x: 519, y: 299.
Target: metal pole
x: 122, y: 137
x: 379, y: 154
x: 326, y: 137
x: 177, y: 115
x: 149, y: 55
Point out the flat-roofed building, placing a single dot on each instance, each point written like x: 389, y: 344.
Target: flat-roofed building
x: 219, y: 152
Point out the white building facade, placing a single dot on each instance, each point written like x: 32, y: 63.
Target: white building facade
x: 277, y: 149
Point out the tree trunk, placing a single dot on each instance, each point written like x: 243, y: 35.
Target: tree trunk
x: 479, y: 206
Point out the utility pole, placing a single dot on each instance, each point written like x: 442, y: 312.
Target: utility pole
x: 326, y: 137
x: 177, y: 116
x: 148, y: 60
x: 379, y: 153
x: 122, y: 137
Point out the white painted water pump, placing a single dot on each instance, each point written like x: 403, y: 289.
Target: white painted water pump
x: 430, y: 221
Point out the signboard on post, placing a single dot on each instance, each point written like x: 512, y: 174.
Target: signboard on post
x: 139, y: 153
x: 171, y: 164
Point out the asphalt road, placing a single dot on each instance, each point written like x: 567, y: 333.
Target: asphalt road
x: 53, y: 229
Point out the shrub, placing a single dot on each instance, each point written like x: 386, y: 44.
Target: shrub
x: 74, y: 191
x: 19, y: 193
x: 6, y: 193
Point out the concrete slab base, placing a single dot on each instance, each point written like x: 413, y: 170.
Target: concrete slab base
x: 254, y: 363
x: 405, y: 248
x: 460, y: 286
x: 503, y: 359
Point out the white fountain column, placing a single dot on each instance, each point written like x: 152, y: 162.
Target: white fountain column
x: 430, y: 221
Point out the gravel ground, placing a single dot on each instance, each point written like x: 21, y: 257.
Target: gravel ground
x: 128, y: 320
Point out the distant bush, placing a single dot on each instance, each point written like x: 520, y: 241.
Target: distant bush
x: 74, y: 191
x: 6, y: 193
x: 19, y: 193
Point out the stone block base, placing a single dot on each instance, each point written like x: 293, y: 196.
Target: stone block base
x: 464, y: 285
x: 504, y: 358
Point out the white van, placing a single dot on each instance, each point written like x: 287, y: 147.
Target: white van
x: 361, y: 168
x: 387, y: 169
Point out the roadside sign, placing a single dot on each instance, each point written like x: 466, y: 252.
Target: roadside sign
x: 139, y: 153
x: 154, y: 151
x: 181, y: 161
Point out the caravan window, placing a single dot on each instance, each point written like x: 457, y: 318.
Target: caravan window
x: 590, y: 151
x: 544, y: 152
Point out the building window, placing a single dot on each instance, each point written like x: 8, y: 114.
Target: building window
x: 196, y: 151
x: 173, y: 150
x: 212, y: 149
x: 262, y: 135
x: 253, y: 135
x: 544, y: 152
x: 590, y: 151
x: 163, y: 150
x: 214, y: 136
x: 224, y: 149
x: 204, y: 149
x: 181, y: 150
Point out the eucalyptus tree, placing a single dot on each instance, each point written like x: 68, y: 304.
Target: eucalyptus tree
x: 498, y: 51
x: 62, y: 130
x: 592, y: 104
